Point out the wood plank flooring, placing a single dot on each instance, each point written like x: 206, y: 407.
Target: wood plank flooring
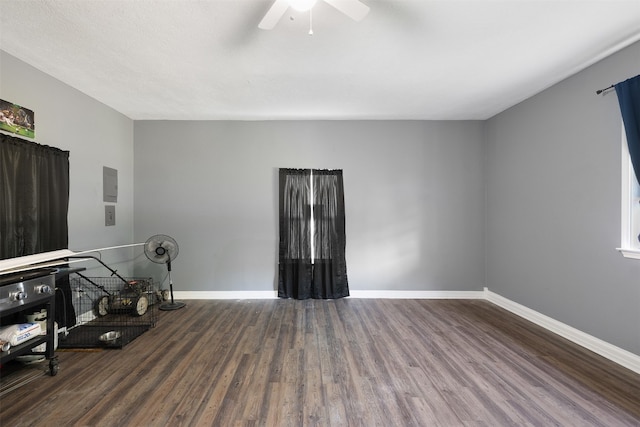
x: 349, y: 362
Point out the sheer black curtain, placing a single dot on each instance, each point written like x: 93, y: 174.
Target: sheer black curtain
x: 330, y: 266
x: 628, y: 93
x: 294, y: 278
x: 34, y: 197
x: 301, y: 276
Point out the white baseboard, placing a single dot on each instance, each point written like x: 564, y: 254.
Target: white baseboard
x: 418, y: 294
x: 187, y: 295
x: 618, y: 355
x: 615, y: 354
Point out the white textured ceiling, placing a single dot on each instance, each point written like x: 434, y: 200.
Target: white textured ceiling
x: 207, y: 59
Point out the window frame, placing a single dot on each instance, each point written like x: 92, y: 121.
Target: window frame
x: 628, y: 181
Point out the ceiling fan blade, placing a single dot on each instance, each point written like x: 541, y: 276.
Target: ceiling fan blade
x: 354, y: 9
x: 278, y: 8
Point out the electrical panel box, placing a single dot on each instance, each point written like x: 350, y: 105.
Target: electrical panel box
x: 109, y: 184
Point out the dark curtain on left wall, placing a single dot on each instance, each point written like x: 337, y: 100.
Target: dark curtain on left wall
x: 34, y: 201
x: 34, y: 197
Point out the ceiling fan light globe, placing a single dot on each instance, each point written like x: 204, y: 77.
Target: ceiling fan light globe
x: 302, y: 5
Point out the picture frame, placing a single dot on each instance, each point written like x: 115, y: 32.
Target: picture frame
x: 17, y: 119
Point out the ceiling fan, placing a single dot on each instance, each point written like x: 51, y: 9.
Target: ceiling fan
x: 354, y: 9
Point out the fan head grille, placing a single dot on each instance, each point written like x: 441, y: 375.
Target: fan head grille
x: 161, y: 249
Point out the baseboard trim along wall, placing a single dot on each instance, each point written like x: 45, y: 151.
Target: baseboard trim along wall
x: 187, y: 295
x: 603, y: 348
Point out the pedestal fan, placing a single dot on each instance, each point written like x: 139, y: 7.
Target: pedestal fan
x: 163, y: 249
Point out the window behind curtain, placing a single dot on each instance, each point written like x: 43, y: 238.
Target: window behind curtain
x: 628, y: 93
x: 34, y: 197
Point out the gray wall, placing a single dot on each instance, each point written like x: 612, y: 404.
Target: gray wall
x: 96, y: 136
x: 414, y: 199
x: 414, y: 195
x: 553, y: 206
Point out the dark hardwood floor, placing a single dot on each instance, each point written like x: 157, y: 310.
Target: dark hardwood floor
x: 349, y: 362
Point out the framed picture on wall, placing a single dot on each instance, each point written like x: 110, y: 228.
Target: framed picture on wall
x: 17, y: 119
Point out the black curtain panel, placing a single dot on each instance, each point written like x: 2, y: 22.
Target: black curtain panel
x: 34, y: 197
x: 294, y: 278
x: 628, y: 93
x: 330, y: 266
x: 301, y: 275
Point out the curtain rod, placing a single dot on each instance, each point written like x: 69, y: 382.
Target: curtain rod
x: 599, y: 91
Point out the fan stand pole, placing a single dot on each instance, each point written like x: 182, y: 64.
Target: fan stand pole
x: 173, y: 305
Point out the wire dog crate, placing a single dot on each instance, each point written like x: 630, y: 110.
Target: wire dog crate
x: 110, y: 311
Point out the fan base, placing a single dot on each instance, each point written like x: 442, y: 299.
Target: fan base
x: 168, y: 306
